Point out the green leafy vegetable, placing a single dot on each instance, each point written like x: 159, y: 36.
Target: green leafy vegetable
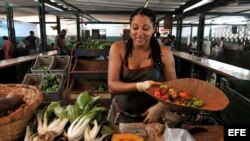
x: 73, y: 112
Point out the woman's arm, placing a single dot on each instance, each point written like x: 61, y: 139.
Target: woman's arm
x: 168, y: 63
x: 116, y: 86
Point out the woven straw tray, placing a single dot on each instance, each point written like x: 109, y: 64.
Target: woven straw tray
x: 213, y: 98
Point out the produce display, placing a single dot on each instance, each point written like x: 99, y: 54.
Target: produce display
x: 177, y: 97
x: 42, y: 68
x: 84, y: 120
x: 71, y: 44
x: 51, y: 83
x: 102, y: 87
x: 93, y: 45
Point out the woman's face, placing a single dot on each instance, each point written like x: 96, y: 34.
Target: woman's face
x: 141, y: 30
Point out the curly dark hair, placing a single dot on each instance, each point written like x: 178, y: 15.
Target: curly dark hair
x: 155, y: 47
x: 5, y: 38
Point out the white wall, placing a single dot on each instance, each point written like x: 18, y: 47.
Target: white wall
x: 114, y: 30
x: 21, y: 28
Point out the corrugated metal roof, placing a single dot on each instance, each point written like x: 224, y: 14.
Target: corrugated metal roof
x: 119, y: 10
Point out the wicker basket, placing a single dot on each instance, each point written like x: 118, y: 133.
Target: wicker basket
x: 12, y: 127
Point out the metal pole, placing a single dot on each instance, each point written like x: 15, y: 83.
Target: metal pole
x: 58, y: 24
x: 10, y: 23
x: 191, y: 31
x: 200, y: 36
x: 179, y: 30
x: 78, y: 27
x: 42, y: 25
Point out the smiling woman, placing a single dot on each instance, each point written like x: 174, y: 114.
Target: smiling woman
x: 135, y: 65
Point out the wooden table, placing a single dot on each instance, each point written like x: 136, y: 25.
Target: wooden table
x: 15, y: 61
x: 214, y: 133
x: 215, y: 66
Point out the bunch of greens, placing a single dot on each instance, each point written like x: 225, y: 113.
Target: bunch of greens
x: 84, y: 120
x: 51, y: 83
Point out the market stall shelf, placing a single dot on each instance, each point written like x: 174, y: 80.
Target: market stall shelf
x: 86, y: 72
x: 42, y: 64
x: 91, y: 52
x: 33, y: 79
x: 50, y: 81
x: 96, y: 87
x: 60, y: 64
x: 90, y: 69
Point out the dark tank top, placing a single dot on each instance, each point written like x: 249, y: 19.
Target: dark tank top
x: 137, y: 102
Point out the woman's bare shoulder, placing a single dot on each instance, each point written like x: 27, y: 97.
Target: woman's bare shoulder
x: 165, y: 51
x: 118, y: 46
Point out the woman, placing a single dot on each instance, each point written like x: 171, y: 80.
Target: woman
x: 193, y: 45
x: 220, y: 49
x: 136, y: 65
x: 6, y: 47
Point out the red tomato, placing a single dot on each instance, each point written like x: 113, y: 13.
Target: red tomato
x: 157, y: 89
x: 164, y: 97
x: 174, y: 95
x: 157, y: 94
x: 164, y: 91
x: 185, y: 95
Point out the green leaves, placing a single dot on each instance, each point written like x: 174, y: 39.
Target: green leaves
x: 106, y: 130
x: 60, y: 112
x: 83, y: 100
x: 73, y: 112
x: 86, y: 102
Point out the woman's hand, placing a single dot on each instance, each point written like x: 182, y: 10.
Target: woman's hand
x: 152, y: 115
x: 142, y: 86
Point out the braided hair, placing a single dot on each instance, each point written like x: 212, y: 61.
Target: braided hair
x: 155, y: 47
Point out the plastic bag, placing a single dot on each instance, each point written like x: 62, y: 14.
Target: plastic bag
x: 176, y: 134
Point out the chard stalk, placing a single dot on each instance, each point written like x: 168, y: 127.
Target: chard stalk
x: 27, y: 134
x: 45, y: 121
x: 87, y: 134
x: 32, y: 137
x: 79, y: 132
x: 37, y: 138
x: 59, y: 129
x: 94, y: 131
x: 54, y: 124
x: 72, y: 125
x: 40, y: 129
x: 79, y: 123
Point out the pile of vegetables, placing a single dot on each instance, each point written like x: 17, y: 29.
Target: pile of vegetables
x: 71, y: 44
x: 102, y: 87
x: 42, y: 68
x: 94, y: 45
x: 84, y: 120
x: 177, y: 97
x: 51, y: 83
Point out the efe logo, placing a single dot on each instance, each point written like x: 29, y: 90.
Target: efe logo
x: 236, y: 132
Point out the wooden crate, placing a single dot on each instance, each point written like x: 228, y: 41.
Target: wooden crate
x: 90, y: 85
